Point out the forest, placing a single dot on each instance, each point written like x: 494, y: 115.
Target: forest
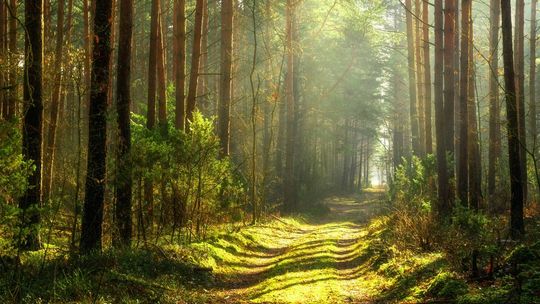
x: 269, y: 151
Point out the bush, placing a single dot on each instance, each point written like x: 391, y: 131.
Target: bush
x: 413, y: 196
x: 194, y: 186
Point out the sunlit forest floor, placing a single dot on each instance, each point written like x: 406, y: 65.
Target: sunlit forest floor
x: 344, y: 252
x: 336, y: 258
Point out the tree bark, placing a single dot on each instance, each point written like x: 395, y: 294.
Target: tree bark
x: 49, y: 153
x: 532, y: 80
x: 180, y: 59
x: 161, y: 76
x: 449, y: 83
x: 427, y: 80
x: 519, y: 62
x: 97, y: 133
x: 463, y: 139
x: 412, y: 79
x: 494, y: 107
x: 124, y: 182
x: 517, y: 227
x: 440, y: 132
x: 195, y: 64
x: 32, y: 123
x: 227, y: 20
x: 420, y: 83
x: 152, y: 64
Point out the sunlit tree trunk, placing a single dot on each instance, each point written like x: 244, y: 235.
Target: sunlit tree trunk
x: 225, y: 90
x: 449, y: 85
x: 161, y: 75
x: 412, y: 79
x: 195, y: 63
x: 474, y: 158
x: 180, y: 59
x: 517, y: 227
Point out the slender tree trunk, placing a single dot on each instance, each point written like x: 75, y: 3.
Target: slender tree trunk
x: 124, y: 183
x: 519, y: 62
x: 517, y: 227
x: 180, y: 59
x: 12, y: 97
x: 152, y: 64
x: 97, y: 137
x: 440, y: 132
x: 87, y: 50
x: 161, y: 77
x: 463, y: 140
x: 49, y: 153
x: 412, y: 79
x: 32, y: 123
x: 474, y: 159
x: 420, y: 82
x: 427, y: 80
x: 532, y: 81
x: 288, y: 181
x: 449, y: 83
x: 4, y: 104
x: 494, y: 107
x: 203, y: 83
x: 224, y: 123
x: 195, y: 63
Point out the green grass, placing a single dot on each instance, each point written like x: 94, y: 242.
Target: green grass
x: 346, y: 255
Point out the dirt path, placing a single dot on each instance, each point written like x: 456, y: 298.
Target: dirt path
x: 321, y: 261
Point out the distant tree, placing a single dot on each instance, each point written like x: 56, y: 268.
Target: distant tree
x: 32, y: 123
x: 91, y: 229
x: 519, y: 63
x: 427, y: 79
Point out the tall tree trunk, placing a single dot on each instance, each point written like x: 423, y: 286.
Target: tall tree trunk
x: 161, y: 77
x: 289, y: 180
x: 532, y: 81
x: 97, y: 133
x: 494, y: 107
x: 32, y: 123
x: 124, y: 182
x: 152, y: 64
x: 474, y: 159
x: 87, y: 7
x: 4, y: 104
x: 224, y: 123
x: 519, y: 62
x: 202, y: 87
x: 49, y: 153
x: 195, y: 63
x: 412, y: 80
x: 427, y: 80
x: 463, y: 140
x: 517, y: 227
x: 12, y: 97
x: 180, y: 59
x: 449, y: 84
x: 420, y: 83
x: 440, y: 132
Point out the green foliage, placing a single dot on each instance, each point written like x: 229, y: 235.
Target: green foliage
x: 413, y: 196
x: 194, y: 185
x: 447, y: 286
x: 13, y: 182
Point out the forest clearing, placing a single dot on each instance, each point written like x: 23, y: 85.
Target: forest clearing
x: 269, y: 151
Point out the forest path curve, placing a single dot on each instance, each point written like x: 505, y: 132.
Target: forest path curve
x: 323, y: 260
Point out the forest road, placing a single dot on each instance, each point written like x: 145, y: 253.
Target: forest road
x: 323, y: 260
